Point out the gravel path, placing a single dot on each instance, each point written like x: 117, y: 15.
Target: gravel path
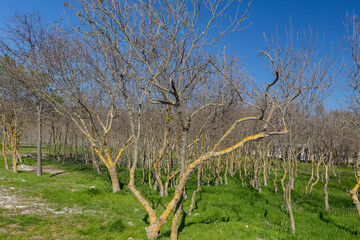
x: 9, y: 199
x: 50, y: 170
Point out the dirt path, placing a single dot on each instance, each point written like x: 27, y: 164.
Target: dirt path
x: 27, y: 168
x: 10, y: 199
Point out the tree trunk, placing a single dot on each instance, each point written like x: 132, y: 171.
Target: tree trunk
x: 317, y: 176
x: 95, y: 163
x: 192, y: 204
x: 326, y: 196
x: 226, y: 171
x: 275, y: 178
x: 144, y: 166
x: 183, y: 154
x: 114, y: 178
x: 49, y: 145
x: 175, y: 221
x: 54, y: 140
x: 13, y: 148
x: 290, y: 212
x: 287, y: 195
x: 240, y: 176
x: 264, y: 171
x: 355, y: 198
x: 157, y: 173
x: 231, y: 169
x: 65, y: 142
x: 218, y: 172
x: 39, y: 139
x: 3, y: 151
x: 311, y: 177
x: 288, y: 203
x: 183, y: 159
x: 14, y: 164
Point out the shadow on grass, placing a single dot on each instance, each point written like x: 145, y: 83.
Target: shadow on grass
x: 324, y: 216
x: 114, y: 226
x: 155, y: 205
x: 196, y: 202
x: 145, y: 219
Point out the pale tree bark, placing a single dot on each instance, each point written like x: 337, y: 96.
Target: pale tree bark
x: 326, y: 182
x: 318, y: 164
x: 95, y: 162
x: 352, y: 26
x: 287, y: 191
x: 174, y: 62
x: 355, y: 190
x: 312, y: 174
x: 157, y: 223
x: 156, y: 168
x: 39, y: 138
x: 354, y: 193
x: 4, y: 148
x: 198, y: 189
x: 13, y: 133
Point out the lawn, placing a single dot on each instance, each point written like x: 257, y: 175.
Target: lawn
x: 80, y: 204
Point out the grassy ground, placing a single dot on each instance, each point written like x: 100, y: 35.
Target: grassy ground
x: 75, y: 209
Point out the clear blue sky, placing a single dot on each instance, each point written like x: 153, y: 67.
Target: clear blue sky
x: 324, y: 16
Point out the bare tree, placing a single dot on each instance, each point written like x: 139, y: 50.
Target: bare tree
x: 304, y: 72
x: 24, y: 42
x: 352, y: 26
x: 15, y: 106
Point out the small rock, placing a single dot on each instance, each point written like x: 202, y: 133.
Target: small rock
x: 12, y: 188
x: 130, y: 224
x: 196, y: 214
x: 92, y: 187
x: 247, y: 226
x: 23, y: 180
x: 136, y: 210
x: 130, y: 238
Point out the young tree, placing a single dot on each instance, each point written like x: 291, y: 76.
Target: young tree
x: 303, y: 70
x: 352, y: 68
x: 15, y: 104
x: 24, y: 42
x: 91, y: 89
x: 160, y: 44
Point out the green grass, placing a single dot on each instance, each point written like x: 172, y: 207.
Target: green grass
x: 225, y: 212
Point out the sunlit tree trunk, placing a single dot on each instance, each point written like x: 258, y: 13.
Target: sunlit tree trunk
x: 326, y: 195
x: 39, y: 139
x: 355, y: 198
x: 317, y: 174
x: 287, y: 189
x: 13, y: 147
x: 95, y: 162
x: 198, y: 189
x: 4, y: 147
x: 111, y: 163
x: 312, y: 174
